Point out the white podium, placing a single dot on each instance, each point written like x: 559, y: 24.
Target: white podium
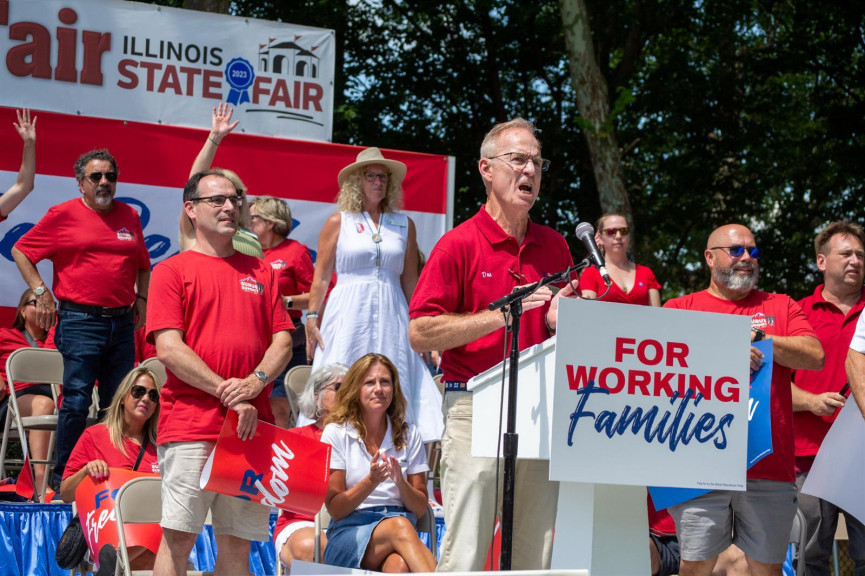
x: 601, y: 527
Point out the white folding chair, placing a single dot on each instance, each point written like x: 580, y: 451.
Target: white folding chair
x: 157, y: 367
x: 295, y: 382
x: 35, y: 366
x: 139, y: 501
x: 798, y: 537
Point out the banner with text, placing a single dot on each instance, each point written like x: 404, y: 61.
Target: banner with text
x: 147, y: 63
x: 276, y: 467
x: 154, y: 163
x: 95, y: 504
x: 650, y: 396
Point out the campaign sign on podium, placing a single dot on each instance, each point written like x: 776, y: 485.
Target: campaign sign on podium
x: 650, y: 396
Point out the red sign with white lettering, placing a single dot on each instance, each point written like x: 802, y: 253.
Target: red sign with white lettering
x: 95, y: 504
x: 276, y: 467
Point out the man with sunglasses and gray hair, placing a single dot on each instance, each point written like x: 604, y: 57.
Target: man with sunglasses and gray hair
x: 759, y: 519
x: 101, y: 278
x: 220, y: 328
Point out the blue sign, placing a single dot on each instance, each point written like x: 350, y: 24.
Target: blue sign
x: 759, y: 430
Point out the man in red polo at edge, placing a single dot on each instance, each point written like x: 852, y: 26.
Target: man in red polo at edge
x: 833, y: 310
x: 474, y: 264
x: 101, y: 277
x: 222, y: 332
x: 759, y: 519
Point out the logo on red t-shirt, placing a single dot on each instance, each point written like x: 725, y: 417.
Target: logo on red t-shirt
x: 760, y: 321
x: 251, y: 285
x: 279, y: 264
x: 125, y: 234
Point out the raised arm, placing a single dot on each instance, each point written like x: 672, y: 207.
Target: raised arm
x: 220, y: 126
x: 27, y: 173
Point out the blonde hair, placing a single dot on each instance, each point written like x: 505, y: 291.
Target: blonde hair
x: 274, y: 210
x: 347, y: 406
x: 113, y: 419
x: 350, y: 198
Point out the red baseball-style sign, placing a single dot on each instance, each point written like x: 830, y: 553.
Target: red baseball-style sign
x: 276, y: 467
x: 95, y: 504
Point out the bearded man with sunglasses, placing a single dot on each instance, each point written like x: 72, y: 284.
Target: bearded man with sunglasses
x: 220, y: 328
x: 758, y: 520
x: 101, y: 278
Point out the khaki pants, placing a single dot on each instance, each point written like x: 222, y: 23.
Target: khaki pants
x: 469, y: 494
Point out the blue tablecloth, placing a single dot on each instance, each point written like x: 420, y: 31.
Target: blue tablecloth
x: 29, y: 535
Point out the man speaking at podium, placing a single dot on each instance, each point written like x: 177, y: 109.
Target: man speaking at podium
x: 474, y: 264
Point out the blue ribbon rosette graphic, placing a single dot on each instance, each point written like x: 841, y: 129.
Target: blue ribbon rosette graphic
x: 239, y: 75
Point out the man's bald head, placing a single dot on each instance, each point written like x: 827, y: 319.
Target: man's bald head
x: 729, y: 235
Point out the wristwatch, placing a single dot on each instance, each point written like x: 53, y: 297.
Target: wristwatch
x: 289, y: 301
x: 758, y: 334
x: 40, y: 291
x: 261, y: 376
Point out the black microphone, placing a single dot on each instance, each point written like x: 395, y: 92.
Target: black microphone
x: 586, y: 233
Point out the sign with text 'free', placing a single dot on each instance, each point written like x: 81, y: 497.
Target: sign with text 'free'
x: 650, y: 396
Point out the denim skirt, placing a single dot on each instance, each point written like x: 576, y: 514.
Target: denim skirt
x: 348, y: 538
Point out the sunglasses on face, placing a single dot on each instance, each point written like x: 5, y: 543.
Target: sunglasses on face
x: 138, y: 392
x: 736, y: 251
x: 220, y: 200
x: 611, y: 232
x: 30, y: 302
x: 334, y: 385
x: 96, y: 177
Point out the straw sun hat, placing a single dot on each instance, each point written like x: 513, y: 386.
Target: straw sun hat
x: 373, y: 156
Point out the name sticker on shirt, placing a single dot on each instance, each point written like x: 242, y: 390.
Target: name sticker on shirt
x: 392, y: 222
x: 125, y: 234
x: 251, y: 285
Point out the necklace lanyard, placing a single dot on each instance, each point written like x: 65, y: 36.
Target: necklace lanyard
x: 376, y: 236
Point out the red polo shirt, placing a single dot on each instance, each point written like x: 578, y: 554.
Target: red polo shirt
x: 475, y: 264
x: 835, y: 330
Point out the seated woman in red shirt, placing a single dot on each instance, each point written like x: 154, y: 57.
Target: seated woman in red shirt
x: 294, y: 535
x: 632, y: 283
x: 32, y: 399
x: 126, y: 438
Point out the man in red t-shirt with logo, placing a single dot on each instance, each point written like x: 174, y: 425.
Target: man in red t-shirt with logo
x: 101, y: 277
x: 759, y: 519
x: 833, y: 310
x: 222, y: 332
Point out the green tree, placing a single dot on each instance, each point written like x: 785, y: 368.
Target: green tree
x: 724, y: 111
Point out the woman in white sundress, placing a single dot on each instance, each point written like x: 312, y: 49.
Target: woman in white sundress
x: 374, y: 251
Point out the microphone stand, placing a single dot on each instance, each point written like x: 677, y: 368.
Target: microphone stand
x: 514, y: 301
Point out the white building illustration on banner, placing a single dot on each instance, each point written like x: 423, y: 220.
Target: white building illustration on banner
x: 288, y: 58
